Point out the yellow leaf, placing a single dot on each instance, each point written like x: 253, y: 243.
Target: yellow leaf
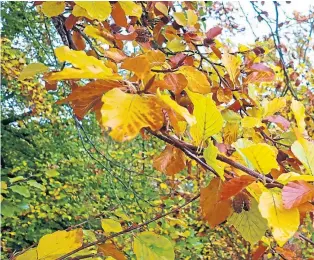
x: 262, y: 156
x: 53, y: 8
x: 197, y: 81
x: 96, y: 34
x: 30, y: 254
x: 32, y: 69
x: 251, y: 122
x: 179, y: 110
x: 97, y: 10
x: 284, y: 222
x: 230, y: 132
x: 210, y: 155
x: 284, y: 178
x: 232, y: 64
x: 110, y: 225
x: 304, y: 151
x: 162, y: 8
x: 176, y: 45
x: 54, y: 245
x: 299, y: 114
x: 250, y: 224
x: 208, y: 117
x: 80, y: 12
x: 192, y: 18
x: 126, y: 114
x: 87, y: 67
x: 130, y: 8
x: 180, y: 18
x: 273, y: 106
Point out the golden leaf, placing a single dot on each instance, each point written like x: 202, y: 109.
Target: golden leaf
x: 232, y: 64
x: 208, y: 117
x: 87, y: 67
x: 53, y: 8
x: 197, y: 81
x: 210, y: 155
x: 97, y: 10
x: 262, y: 156
x: 130, y: 8
x: 59, y: 243
x: 284, y: 222
x: 139, y: 65
x: 126, y: 114
x: 299, y: 114
x: 110, y: 225
x: 304, y: 151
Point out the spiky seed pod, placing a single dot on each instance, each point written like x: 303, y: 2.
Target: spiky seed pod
x: 240, y: 202
x: 143, y: 35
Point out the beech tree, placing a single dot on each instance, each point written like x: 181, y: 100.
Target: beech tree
x: 236, y: 119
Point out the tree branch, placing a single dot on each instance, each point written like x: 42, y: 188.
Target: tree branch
x: 104, y: 239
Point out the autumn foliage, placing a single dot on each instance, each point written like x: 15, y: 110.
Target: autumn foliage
x: 234, y: 114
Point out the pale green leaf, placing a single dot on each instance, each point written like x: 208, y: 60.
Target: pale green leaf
x: 150, y: 246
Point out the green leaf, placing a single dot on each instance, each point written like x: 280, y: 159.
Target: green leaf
x: 110, y: 225
x: 250, y: 224
x: 37, y: 185
x: 32, y: 69
x: 22, y: 190
x: 148, y: 245
x: 52, y: 173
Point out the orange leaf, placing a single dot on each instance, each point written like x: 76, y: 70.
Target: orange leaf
x: 115, y: 54
x: 109, y: 249
x: 235, y: 185
x: 127, y: 37
x: 176, y: 82
x: 84, y: 99
x: 118, y: 15
x: 296, y: 193
x: 260, y: 73
x: 139, y: 65
x: 78, y: 41
x: 214, y: 210
x: 170, y: 161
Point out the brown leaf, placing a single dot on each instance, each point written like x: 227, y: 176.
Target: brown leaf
x: 78, y: 41
x: 157, y: 33
x: 279, y: 120
x: 51, y: 85
x: 70, y: 22
x: 213, y: 32
x: 177, y: 60
x: 176, y: 82
x: 296, y: 193
x: 84, y: 99
x: 170, y: 161
x: 259, y: 252
x: 235, y: 185
x: 109, y: 249
x: 118, y: 15
x: 214, y: 210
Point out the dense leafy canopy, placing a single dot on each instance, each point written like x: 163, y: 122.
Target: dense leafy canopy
x: 119, y: 116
